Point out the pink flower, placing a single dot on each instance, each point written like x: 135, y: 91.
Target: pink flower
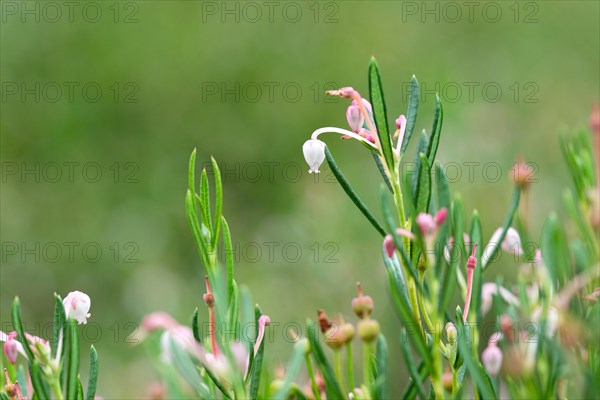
x: 77, y: 304
x: 492, y: 358
x: 354, y: 117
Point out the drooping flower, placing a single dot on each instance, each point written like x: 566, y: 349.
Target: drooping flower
x: 359, y: 112
x: 492, y: 358
x: 77, y: 304
x: 11, y: 348
x: 388, y: 241
x: 355, y: 117
x: 314, y: 154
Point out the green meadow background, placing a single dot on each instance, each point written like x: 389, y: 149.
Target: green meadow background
x: 102, y: 104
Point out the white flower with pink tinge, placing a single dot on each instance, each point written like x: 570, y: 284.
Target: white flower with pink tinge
x: 77, y: 304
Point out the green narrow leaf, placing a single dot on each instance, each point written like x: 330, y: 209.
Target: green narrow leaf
x: 255, y: 369
x: 18, y: 325
x: 449, y: 282
x: 292, y: 371
x: 380, y: 114
x: 395, y: 274
x: 37, y: 381
x: 411, y: 114
x: 192, y: 178
x: 233, y: 310
x: 3, y: 396
x: 60, y: 321
x: 381, y: 368
x: 185, y: 366
x: 332, y: 386
x: 91, y: 389
x: 218, y: 202
x: 205, y: 200
x: 73, y: 359
x: 436, y: 131
x: 351, y: 193
x: 554, y: 250
x: 228, y: 256
x: 416, y: 177
x: 196, y: 230
x: 507, y: 221
x: 382, y: 170
x: 443, y: 201
x: 79, y: 389
x: 195, y: 329
x: 478, y: 374
x: 423, y: 186
x: 417, y: 380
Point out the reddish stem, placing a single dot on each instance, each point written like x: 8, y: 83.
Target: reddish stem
x: 471, y: 264
x: 209, y: 299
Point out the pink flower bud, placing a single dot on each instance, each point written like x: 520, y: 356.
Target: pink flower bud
x: 440, y: 216
x: 354, y: 117
x: 492, y: 359
x: 426, y: 223
x: 390, y: 247
x: 345, y: 92
x: 11, y: 350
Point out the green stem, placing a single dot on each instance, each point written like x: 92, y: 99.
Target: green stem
x: 55, y: 386
x: 454, y: 382
x: 349, y: 366
x: 367, y: 364
x: 313, y: 380
x: 337, y: 360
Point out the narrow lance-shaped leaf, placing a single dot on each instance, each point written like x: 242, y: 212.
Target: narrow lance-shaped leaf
x: 443, y: 201
x: 218, y: 202
x: 18, y: 325
x: 411, y: 115
x: 382, y: 170
x: 351, y: 193
x: 417, y: 380
x: 256, y: 368
x: 72, y: 359
x: 332, y: 387
x: 192, y: 178
x: 478, y: 374
x: 205, y: 200
x: 195, y: 329
x: 380, y: 114
x: 381, y: 368
x: 228, y: 255
x: 554, y: 250
x: 449, y: 282
x: 436, y: 131
x: 40, y: 389
x: 91, y: 389
x: 423, y: 186
x: 421, y: 149
x: 60, y: 321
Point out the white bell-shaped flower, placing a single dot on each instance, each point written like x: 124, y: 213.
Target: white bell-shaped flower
x: 77, y: 304
x: 314, y: 154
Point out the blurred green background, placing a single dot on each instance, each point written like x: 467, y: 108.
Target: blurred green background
x: 127, y: 90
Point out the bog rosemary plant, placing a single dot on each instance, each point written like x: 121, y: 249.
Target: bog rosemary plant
x: 544, y: 341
